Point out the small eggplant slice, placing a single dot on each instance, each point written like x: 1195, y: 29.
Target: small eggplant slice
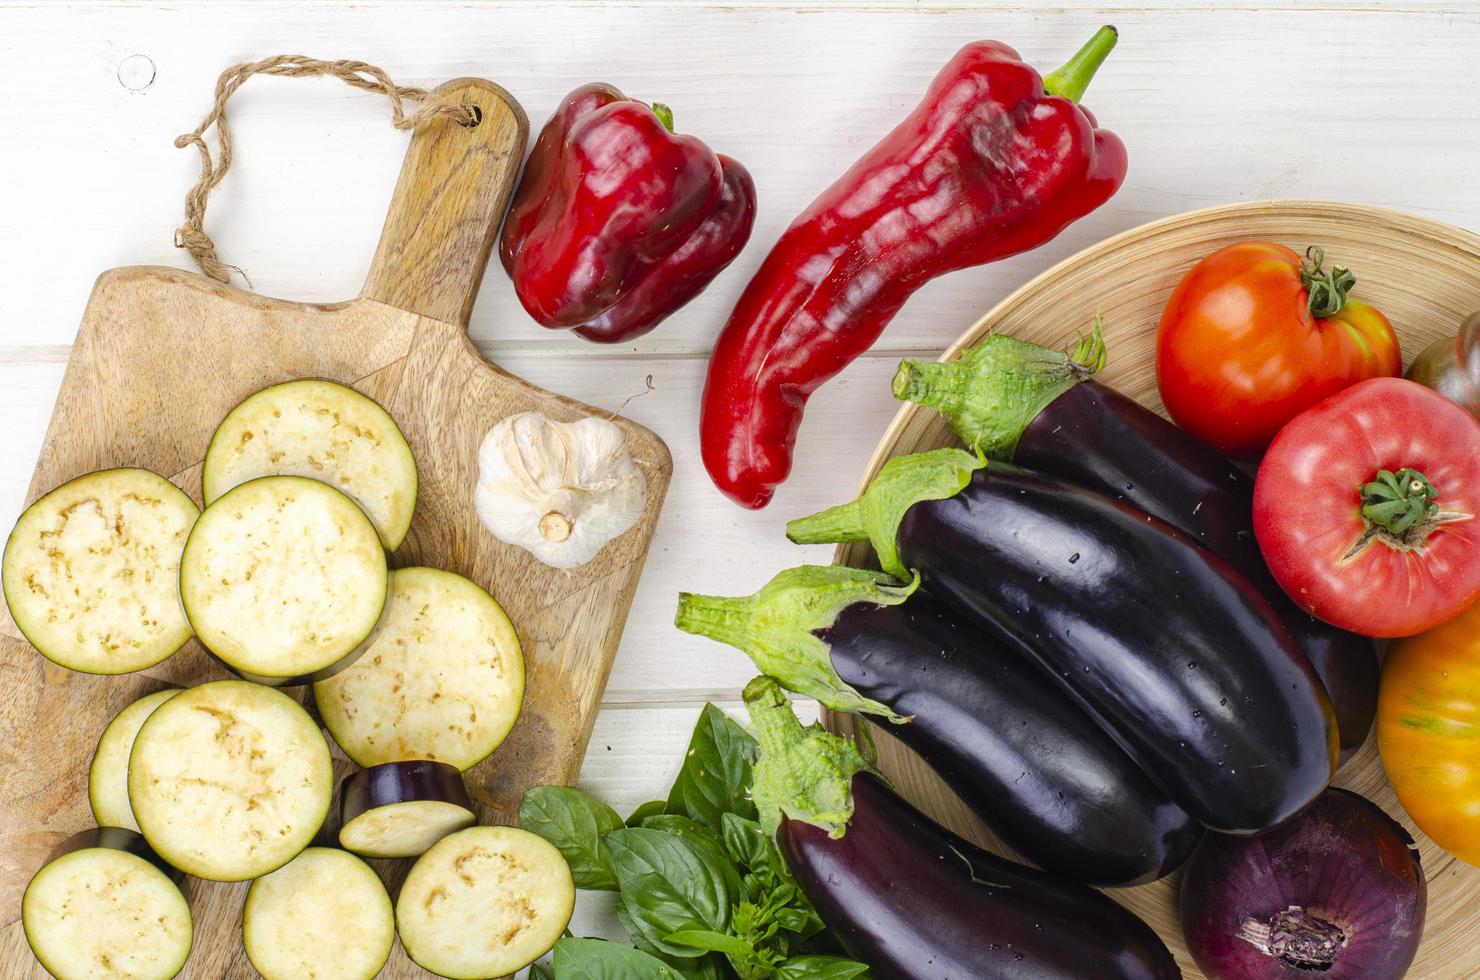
x: 283, y: 579
x: 105, y: 904
x: 325, y: 914
x: 230, y: 780
x: 399, y: 809
x: 107, y: 779
x: 324, y: 431
x: 484, y: 902
x: 91, y: 570
x: 441, y: 679
x: 911, y: 899
x: 1173, y: 653
x: 1017, y: 749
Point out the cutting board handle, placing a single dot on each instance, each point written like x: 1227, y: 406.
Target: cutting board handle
x: 449, y: 202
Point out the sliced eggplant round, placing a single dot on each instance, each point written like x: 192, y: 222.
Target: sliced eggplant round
x: 442, y: 678
x: 283, y: 579
x: 484, y: 902
x: 399, y: 809
x: 107, y: 780
x: 90, y: 571
x: 323, y: 430
x: 105, y: 905
x: 230, y: 780
x: 325, y: 915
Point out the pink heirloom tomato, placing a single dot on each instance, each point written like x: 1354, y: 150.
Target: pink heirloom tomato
x: 1366, y: 505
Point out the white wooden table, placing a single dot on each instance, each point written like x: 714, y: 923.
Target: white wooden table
x: 1339, y: 99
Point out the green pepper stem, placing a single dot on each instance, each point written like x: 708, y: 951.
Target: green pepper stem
x: 664, y: 114
x: 1072, y: 80
x: 777, y: 627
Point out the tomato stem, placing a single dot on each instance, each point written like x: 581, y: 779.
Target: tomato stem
x: 1398, y: 501
x: 1325, y: 291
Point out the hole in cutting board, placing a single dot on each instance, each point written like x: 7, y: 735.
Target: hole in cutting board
x: 477, y: 117
x: 136, y: 72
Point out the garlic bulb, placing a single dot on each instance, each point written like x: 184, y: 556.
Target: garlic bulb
x: 560, y: 490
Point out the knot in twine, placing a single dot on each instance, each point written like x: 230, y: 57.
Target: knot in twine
x: 191, y: 235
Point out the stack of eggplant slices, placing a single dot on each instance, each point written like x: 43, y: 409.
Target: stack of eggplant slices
x: 417, y: 673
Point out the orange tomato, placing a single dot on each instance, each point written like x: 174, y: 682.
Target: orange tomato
x: 1253, y: 335
x: 1428, y: 730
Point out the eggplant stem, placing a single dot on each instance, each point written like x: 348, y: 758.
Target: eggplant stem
x: 802, y: 773
x: 992, y: 392
x: 778, y: 626
x: 900, y: 483
x: 845, y: 522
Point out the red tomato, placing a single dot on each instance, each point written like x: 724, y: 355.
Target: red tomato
x: 1252, y: 337
x: 1365, y: 508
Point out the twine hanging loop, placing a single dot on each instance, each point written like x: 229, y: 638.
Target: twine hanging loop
x: 191, y: 235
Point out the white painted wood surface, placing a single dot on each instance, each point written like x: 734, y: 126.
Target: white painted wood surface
x: 1217, y: 102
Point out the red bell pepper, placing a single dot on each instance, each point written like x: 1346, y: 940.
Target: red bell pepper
x: 993, y: 162
x: 617, y: 222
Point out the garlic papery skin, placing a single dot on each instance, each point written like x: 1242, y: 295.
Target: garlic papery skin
x: 559, y: 490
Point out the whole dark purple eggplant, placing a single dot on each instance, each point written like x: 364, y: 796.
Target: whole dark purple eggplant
x: 1017, y: 750
x: 913, y: 900
x: 1170, y: 650
x: 1037, y: 408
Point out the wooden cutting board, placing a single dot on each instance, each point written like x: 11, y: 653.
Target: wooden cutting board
x: 1423, y: 274
x: 162, y: 355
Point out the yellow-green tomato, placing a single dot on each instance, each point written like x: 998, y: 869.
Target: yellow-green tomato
x: 1428, y: 729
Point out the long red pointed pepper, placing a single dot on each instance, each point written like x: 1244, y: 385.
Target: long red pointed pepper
x: 993, y: 162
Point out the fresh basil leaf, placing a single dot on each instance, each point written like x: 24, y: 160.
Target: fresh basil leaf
x: 673, y: 823
x: 706, y: 840
x: 716, y: 773
x: 803, y: 922
x: 597, y: 959
x: 751, y: 847
x: 718, y: 942
x: 820, y: 968
x: 649, y: 809
x: 668, y: 884
x: 574, y: 823
x: 709, y: 967
x: 634, y: 929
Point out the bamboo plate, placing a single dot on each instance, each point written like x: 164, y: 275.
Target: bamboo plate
x: 1423, y: 274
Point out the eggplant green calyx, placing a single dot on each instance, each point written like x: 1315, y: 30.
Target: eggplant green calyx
x: 802, y: 773
x: 775, y: 627
x: 1398, y: 501
x: 992, y: 392
x: 1325, y: 291
x: 1072, y: 80
x: 664, y: 114
x: 900, y: 484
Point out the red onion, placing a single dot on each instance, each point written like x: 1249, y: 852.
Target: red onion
x: 1337, y: 891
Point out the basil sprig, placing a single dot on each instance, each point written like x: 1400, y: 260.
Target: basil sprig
x: 703, y: 892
